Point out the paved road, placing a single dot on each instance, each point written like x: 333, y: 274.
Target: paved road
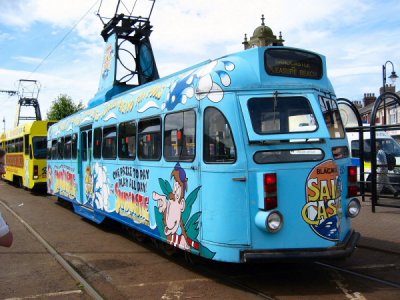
x: 119, y: 268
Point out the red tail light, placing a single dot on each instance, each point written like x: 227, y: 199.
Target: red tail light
x: 270, y: 191
x: 352, y: 189
x: 35, y: 171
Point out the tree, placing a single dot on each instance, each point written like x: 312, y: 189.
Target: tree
x: 62, y: 107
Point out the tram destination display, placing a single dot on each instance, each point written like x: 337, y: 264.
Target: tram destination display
x: 293, y: 63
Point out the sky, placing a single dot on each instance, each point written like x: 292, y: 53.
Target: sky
x: 58, y: 43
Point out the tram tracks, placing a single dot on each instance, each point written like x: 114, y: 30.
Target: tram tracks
x: 246, y: 281
x: 58, y: 257
x: 358, y: 274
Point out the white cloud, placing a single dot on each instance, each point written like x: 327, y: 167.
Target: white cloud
x: 350, y: 34
x: 28, y: 60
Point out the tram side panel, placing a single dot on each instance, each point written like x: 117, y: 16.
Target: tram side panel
x: 224, y: 177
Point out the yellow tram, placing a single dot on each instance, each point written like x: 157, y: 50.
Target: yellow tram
x: 26, y: 154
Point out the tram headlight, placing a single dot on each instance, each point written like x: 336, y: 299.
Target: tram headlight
x: 353, y: 208
x: 274, y: 221
x: 269, y: 221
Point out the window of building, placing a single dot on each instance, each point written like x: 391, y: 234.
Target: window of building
x: 219, y: 146
x: 127, y: 140
x: 149, y: 137
x: 179, y: 136
x: 109, y: 143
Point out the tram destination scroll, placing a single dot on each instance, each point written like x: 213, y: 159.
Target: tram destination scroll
x: 293, y: 63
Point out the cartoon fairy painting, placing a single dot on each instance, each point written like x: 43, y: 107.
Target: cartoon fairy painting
x: 174, y: 220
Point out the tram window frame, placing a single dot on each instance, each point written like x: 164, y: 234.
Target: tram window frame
x: 60, y: 148
x: 54, y: 149
x: 127, y: 136
x: 84, y: 145
x: 281, y: 115
x: 26, y: 144
x: 19, y: 144
x: 67, y: 147
x: 49, y: 149
x: 288, y: 156
x: 176, y: 127
x: 332, y: 117
x: 74, y: 146
x: 215, y: 140
x: 36, y: 150
x: 97, y: 140
x: 149, y: 136
x: 109, y: 144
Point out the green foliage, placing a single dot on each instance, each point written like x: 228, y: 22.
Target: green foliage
x: 189, y: 203
x: 165, y: 186
x: 192, y: 226
x: 160, y: 222
x: 62, y: 107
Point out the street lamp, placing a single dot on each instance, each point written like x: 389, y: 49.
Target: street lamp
x: 393, y: 78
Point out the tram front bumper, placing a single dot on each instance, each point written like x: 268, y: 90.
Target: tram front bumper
x: 343, y: 249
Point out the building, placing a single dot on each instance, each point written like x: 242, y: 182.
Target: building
x: 392, y: 110
x: 262, y: 36
x: 391, y: 106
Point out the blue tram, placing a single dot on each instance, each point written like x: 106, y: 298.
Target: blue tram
x: 239, y: 159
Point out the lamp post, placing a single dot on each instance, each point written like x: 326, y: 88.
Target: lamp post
x: 393, y: 76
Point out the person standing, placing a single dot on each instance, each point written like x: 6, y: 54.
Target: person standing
x: 6, y: 237
x: 382, y: 178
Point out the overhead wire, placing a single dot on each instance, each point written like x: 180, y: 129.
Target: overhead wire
x: 62, y: 40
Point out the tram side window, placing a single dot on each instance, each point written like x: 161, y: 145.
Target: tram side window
x: 67, y: 147
x: 179, y: 136
x: 149, y: 137
x: 74, y: 146
x: 54, y: 149
x: 332, y: 117
x: 109, y: 143
x: 84, y: 145
x: 49, y: 149
x: 26, y: 142
x: 16, y: 145
x: 98, y: 136
x: 219, y: 146
x: 127, y: 140
x: 60, y: 148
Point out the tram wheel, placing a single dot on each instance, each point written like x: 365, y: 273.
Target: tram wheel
x: 168, y: 249
x: 139, y: 236
x: 17, y: 181
x: 192, y: 259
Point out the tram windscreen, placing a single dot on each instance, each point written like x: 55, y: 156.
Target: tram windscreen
x: 271, y: 115
x: 39, y: 147
x: 293, y: 63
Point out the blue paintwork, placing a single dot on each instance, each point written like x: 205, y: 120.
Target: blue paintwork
x: 222, y: 216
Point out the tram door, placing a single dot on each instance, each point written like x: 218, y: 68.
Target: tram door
x: 85, y: 171
x: 224, y: 179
